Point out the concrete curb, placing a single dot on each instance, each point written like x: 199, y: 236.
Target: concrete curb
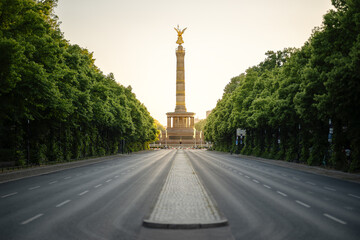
x: 151, y: 224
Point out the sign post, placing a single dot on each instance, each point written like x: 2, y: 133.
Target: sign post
x: 240, y: 133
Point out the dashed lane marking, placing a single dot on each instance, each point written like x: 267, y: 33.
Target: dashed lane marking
x: 255, y: 181
x: 302, y: 204
x: 247, y: 176
x: 267, y: 186
x: 63, y: 203
x: 334, y: 219
x: 281, y: 193
x: 352, y: 195
x: 32, y: 219
x: 311, y: 183
x: 109, y: 180
x: 32, y: 188
x: 330, y: 189
x: 53, y: 182
x: 99, y: 185
x: 9, y: 195
x: 67, y: 178
x: 116, y: 176
x: 84, y: 192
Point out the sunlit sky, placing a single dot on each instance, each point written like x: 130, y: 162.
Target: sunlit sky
x: 136, y: 40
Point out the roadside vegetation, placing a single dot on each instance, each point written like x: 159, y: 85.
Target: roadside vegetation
x: 299, y: 104
x: 55, y: 104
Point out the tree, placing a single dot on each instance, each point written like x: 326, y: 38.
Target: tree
x: 54, y: 101
x: 286, y: 101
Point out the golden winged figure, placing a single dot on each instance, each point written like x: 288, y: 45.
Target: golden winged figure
x: 180, y: 33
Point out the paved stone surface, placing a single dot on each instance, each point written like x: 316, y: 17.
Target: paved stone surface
x: 183, y: 200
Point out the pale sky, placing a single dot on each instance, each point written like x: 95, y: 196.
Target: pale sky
x: 136, y: 40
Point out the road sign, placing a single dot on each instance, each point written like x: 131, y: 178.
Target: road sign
x: 240, y: 131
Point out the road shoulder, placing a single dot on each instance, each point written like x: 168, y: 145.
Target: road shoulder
x: 351, y: 177
x: 40, y: 170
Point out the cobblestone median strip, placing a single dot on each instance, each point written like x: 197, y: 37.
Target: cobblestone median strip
x: 183, y: 201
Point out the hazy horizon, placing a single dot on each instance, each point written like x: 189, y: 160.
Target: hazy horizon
x: 136, y: 41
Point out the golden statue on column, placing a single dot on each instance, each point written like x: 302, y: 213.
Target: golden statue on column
x: 180, y: 33
x: 180, y: 129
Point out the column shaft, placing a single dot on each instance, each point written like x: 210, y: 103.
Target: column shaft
x: 180, y: 80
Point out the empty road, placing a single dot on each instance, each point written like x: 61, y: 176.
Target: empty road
x: 109, y: 200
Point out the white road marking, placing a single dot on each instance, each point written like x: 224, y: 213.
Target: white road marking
x: 116, y: 176
x: 352, y: 195
x: 334, y: 218
x: 84, y: 192
x: 247, y: 176
x: 281, y: 193
x: 267, y: 186
x: 330, y: 189
x: 32, y: 219
x: 303, y: 204
x: 32, y: 188
x: 67, y: 178
x: 311, y: 183
x: 255, y: 181
x: 98, y: 186
x: 109, y: 180
x: 240, y: 173
x: 63, y: 203
x: 53, y: 182
x: 8, y: 195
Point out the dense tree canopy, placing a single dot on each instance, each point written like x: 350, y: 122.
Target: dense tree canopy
x: 299, y: 104
x: 55, y: 104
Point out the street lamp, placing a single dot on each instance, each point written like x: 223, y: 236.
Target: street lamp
x: 28, y: 142
x: 166, y: 137
x: 195, y: 136
x: 330, y: 136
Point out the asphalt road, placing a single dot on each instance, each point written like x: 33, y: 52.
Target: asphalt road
x: 263, y: 201
x: 109, y: 200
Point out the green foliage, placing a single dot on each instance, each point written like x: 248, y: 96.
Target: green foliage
x: 159, y: 126
x: 286, y: 101
x: 199, y: 126
x: 54, y: 101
